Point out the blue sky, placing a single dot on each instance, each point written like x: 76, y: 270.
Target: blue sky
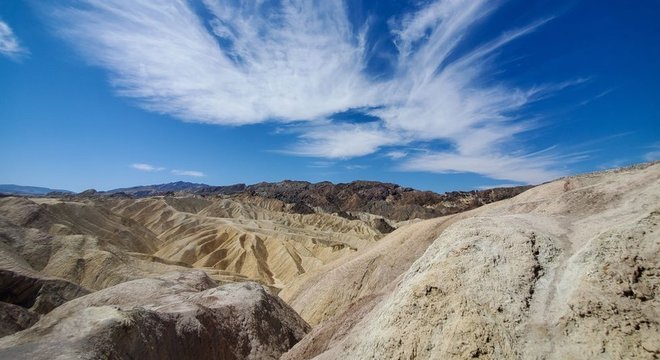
x: 438, y: 95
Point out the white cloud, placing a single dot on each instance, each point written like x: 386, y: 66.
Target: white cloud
x: 495, y: 166
x: 531, y: 168
x: 356, y: 167
x: 250, y: 63
x: 152, y: 168
x: 342, y: 141
x: 161, y: 53
x: 321, y: 164
x: 396, y: 155
x: 9, y: 44
x: 146, y: 167
x: 192, y: 173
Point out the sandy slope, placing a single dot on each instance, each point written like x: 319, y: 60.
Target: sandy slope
x: 102, y: 242
x: 54, y: 251
x: 567, y: 270
x: 363, y: 274
x: 255, y: 239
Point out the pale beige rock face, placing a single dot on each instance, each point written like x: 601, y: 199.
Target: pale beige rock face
x: 329, y: 290
x: 567, y: 270
x: 175, y: 316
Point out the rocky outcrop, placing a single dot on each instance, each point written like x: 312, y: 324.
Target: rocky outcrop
x: 162, y: 189
x: 8, y: 189
x: 567, y: 270
x: 387, y: 200
x: 179, y: 315
x: 37, y: 293
x: 14, y: 318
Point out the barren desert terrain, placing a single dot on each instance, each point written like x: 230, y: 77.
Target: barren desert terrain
x: 565, y: 270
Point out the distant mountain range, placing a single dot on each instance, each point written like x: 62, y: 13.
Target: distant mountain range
x: 160, y: 189
x: 385, y: 199
x: 10, y: 189
x: 388, y: 200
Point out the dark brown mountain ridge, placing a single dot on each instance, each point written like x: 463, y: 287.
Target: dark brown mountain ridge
x: 389, y: 200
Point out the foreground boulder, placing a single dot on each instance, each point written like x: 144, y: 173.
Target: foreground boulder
x: 181, y: 315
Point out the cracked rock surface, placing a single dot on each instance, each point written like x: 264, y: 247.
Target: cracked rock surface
x: 566, y: 270
x: 180, y: 315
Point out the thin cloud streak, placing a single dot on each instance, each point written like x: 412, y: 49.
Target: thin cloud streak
x: 9, y: 44
x: 356, y: 167
x: 146, y: 167
x: 396, y: 155
x: 192, y: 173
x: 249, y: 63
x: 532, y: 168
x: 495, y: 166
x: 320, y: 164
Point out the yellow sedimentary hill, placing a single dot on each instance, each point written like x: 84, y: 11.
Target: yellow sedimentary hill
x: 101, y: 242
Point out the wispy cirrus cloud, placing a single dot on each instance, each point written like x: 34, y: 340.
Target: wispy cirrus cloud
x: 192, y: 173
x: 396, y: 154
x: 152, y: 168
x: 248, y: 62
x: 320, y: 164
x: 341, y: 141
x: 495, y: 166
x: 9, y: 44
x: 146, y: 167
x: 356, y: 167
x: 163, y: 54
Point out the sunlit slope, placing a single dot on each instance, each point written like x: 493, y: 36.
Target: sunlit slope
x: 99, y: 242
x: 569, y: 269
